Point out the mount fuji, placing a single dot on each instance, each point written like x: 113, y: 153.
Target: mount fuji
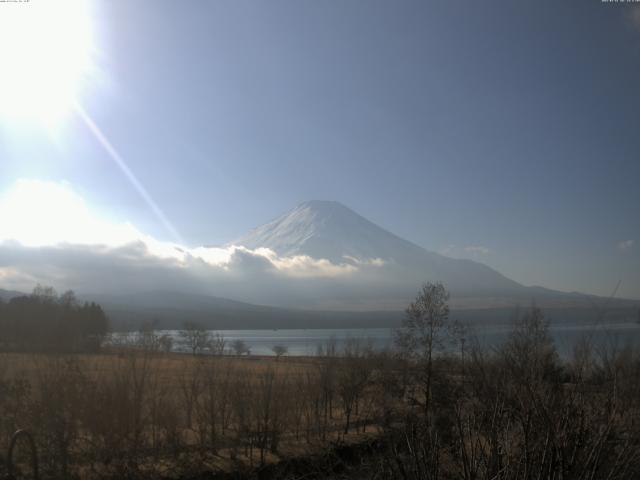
x: 320, y: 265
x: 329, y: 230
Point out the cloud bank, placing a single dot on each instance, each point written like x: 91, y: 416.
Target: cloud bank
x: 49, y: 235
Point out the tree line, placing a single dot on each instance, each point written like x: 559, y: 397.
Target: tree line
x: 47, y: 322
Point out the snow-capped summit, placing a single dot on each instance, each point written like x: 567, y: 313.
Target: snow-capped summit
x: 330, y: 230
x: 326, y: 229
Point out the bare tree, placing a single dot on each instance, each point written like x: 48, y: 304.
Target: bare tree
x: 356, y: 368
x: 217, y: 344
x: 68, y: 299
x: 422, y: 334
x: 147, y: 338
x: 44, y: 294
x: 279, y: 350
x: 195, y: 337
x: 326, y: 379
x: 239, y: 347
x: 165, y: 342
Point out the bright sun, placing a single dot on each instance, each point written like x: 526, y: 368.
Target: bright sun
x: 45, y: 55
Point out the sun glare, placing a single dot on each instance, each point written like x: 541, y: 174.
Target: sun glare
x: 39, y: 213
x: 45, y: 56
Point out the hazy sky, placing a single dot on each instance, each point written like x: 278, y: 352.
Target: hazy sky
x: 507, y: 132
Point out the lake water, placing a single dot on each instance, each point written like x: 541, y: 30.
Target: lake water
x: 306, y: 341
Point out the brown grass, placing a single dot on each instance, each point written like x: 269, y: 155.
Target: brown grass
x: 135, y: 412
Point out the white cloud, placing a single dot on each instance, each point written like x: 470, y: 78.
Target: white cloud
x: 257, y: 276
x: 477, y: 249
x: 299, y: 266
x: 625, y: 245
x: 376, y: 262
x: 48, y: 234
x: 452, y: 250
x: 449, y: 250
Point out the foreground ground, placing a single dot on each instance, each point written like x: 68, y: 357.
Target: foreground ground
x: 517, y: 412
x: 170, y: 414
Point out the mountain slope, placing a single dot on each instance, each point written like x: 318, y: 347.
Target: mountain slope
x: 325, y: 229
x: 6, y: 295
x: 330, y: 230
x: 170, y: 309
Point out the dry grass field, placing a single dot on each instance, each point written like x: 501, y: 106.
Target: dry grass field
x: 511, y: 413
x: 112, y: 413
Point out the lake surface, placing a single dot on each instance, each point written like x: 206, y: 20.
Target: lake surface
x: 306, y: 341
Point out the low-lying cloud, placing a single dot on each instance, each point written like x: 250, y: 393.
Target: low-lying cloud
x: 625, y: 245
x: 477, y: 249
x: 50, y: 236
x: 253, y: 275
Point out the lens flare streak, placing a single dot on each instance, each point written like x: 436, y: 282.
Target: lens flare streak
x: 131, y: 177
